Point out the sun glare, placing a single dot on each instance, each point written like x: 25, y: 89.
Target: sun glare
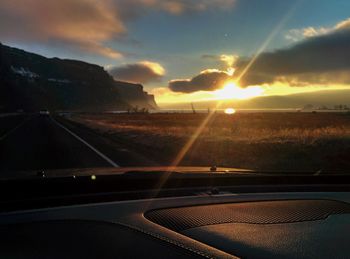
x: 230, y: 111
x: 232, y: 91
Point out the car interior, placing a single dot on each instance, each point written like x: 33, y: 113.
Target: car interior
x: 213, y: 220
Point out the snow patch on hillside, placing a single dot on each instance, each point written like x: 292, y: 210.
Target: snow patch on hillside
x: 63, y: 81
x: 24, y: 72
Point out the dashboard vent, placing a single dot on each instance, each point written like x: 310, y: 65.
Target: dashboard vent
x: 262, y: 212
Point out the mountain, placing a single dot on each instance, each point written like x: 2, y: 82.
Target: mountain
x: 328, y: 98
x: 29, y: 81
x: 134, y: 94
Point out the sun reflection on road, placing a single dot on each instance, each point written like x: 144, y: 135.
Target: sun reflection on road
x: 230, y: 111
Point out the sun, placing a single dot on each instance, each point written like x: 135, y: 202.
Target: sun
x: 232, y: 91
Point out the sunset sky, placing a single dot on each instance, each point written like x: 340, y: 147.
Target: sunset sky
x: 193, y: 50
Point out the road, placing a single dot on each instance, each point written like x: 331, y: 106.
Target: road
x: 39, y: 142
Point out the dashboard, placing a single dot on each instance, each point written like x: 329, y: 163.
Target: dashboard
x: 222, y: 225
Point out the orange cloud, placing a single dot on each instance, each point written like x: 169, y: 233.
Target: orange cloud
x: 85, y: 24
x: 229, y: 60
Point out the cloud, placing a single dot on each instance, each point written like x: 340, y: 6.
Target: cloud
x: 85, y: 25
x: 300, y: 34
x: 207, y: 80
x: 321, y: 58
x: 227, y: 59
x: 141, y: 72
x: 316, y: 57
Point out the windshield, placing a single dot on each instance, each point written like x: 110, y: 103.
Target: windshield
x: 251, y: 85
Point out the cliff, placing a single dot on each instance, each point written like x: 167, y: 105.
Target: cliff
x: 31, y: 82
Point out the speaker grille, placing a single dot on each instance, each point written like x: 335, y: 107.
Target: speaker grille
x: 262, y: 212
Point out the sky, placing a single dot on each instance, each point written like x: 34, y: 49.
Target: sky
x: 184, y: 51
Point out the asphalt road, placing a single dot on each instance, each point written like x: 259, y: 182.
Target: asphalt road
x: 39, y: 142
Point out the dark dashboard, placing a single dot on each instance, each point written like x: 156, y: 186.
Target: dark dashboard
x: 228, y: 217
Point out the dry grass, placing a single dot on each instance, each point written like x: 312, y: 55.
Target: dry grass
x: 257, y: 140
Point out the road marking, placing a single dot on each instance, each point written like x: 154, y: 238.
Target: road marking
x: 110, y: 161
x: 12, y: 130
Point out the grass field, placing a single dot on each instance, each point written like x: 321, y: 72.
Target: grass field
x: 267, y: 141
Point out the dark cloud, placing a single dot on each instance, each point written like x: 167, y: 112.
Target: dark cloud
x: 206, y: 81
x: 142, y: 72
x: 322, y: 59
x: 315, y: 59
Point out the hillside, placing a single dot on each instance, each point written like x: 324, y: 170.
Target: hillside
x: 31, y: 82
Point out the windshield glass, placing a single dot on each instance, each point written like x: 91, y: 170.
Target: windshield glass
x: 257, y: 85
